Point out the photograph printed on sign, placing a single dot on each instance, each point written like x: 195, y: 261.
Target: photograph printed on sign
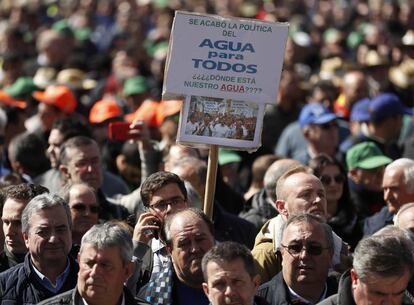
x: 222, y: 122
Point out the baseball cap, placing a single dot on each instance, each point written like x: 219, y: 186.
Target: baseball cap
x: 58, y: 96
x: 365, y: 155
x: 104, y: 110
x: 135, y: 85
x: 359, y: 112
x: 386, y: 105
x: 315, y: 113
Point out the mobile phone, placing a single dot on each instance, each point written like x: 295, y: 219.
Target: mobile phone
x: 153, y: 232
x: 119, y: 131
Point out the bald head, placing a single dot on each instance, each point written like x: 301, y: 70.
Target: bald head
x: 300, y: 192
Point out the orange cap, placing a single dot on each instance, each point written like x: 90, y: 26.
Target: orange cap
x: 10, y: 101
x: 166, y: 109
x: 104, y: 110
x: 147, y: 112
x: 58, y: 96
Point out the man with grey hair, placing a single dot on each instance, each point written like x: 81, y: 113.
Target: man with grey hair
x: 398, y: 186
x: 381, y: 271
x: 47, y: 269
x: 105, y: 263
x: 307, y: 248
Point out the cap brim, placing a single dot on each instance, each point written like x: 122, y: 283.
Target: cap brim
x: 374, y: 162
x: 326, y: 118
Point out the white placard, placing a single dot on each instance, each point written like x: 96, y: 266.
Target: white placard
x: 232, y: 58
x: 218, y: 121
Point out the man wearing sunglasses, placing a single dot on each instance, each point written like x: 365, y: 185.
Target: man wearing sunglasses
x: 307, y: 249
x: 382, y: 268
x: 84, y: 210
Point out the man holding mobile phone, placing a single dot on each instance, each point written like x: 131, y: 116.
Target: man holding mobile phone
x: 162, y: 193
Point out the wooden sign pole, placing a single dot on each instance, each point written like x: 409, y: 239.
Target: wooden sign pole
x: 211, y: 181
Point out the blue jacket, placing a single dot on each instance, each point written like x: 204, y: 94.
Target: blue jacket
x: 21, y: 286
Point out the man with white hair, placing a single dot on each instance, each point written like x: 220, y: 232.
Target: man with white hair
x: 398, y: 186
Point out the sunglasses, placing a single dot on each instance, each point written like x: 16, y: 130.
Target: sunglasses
x: 81, y: 207
x: 311, y: 249
x: 326, y: 179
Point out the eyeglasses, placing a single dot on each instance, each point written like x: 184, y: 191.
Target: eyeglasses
x: 326, y: 179
x: 81, y: 207
x: 311, y: 249
x: 162, y: 205
x: 328, y: 126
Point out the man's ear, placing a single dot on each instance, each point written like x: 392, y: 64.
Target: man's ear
x: 120, y: 162
x: 354, y: 278
x: 306, y: 132
x: 205, y: 289
x: 256, y: 280
x: 281, y: 207
x: 130, y: 268
x: 353, y: 174
x: 26, y: 239
x: 64, y: 171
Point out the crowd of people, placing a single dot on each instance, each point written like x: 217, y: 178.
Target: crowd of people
x: 321, y: 213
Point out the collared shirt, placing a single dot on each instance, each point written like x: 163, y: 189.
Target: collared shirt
x: 122, y: 303
x: 296, y: 298
x: 60, y: 280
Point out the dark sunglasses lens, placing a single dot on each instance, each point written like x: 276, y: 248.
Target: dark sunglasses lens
x: 339, y: 178
x: 314, y: 250
x: 94, y: 209
x: 294, y: 249
x: 79, y: 207
x: 326, y: 180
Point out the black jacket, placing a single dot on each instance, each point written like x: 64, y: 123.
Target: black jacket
x: 258, y: 210
x: 378, y: 221
x: 72, y: 297
x: 8, y: 260
x: 276, y: 291
x: 21, y: 286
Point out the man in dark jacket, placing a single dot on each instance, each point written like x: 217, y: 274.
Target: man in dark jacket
x: 398, y: 186
x: 47, y: 269
x: 105, y: 259
x: 382, y: 268
x: 14, y: 199
x: 307, y: 249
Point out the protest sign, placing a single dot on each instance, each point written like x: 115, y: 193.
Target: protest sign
x: 239, y: 59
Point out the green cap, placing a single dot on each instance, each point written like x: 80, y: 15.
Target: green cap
x: 365, y: 155
x: 22, y: 87
x: 135, y: 85
x: 226, y: 156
